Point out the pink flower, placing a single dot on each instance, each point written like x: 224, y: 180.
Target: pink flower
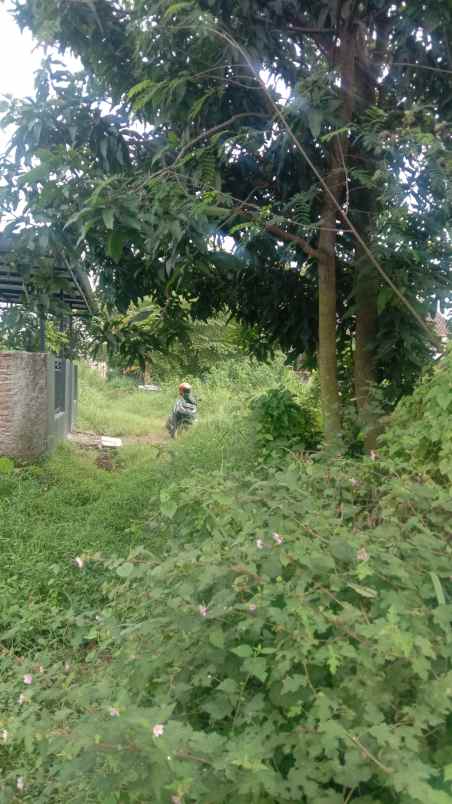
x: 158, y: 729
x: 20, y: 784
x: 203, y: 610
x: 362, y: 554
x: 373, y: 455
x: 79, y: 561
x: 277, y: 538
x: 260, y: 544
x: 354, y: 482
x: 114, y: 712
x: 176, y: 800
x: 28, y: 679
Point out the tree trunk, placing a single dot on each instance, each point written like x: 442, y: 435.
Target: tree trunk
x: 366, y: 290
x: 336, y: 181
x: 147, y: 376
x: 369, y: 92
x: 329, y: 393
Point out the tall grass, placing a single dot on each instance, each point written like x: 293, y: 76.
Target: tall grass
x: 66, y: 505
x: 119, y: 409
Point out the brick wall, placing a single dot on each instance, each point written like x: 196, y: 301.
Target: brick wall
x: 24, y: 404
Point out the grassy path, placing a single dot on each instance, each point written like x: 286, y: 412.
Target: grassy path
x: 67, y: 505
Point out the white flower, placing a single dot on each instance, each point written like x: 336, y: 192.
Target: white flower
x: 114, y: 712
x: 20, y: 784
x: 277, y: 538
x: 4, y: 735
x: 259, y: 544
x: 354, y: 482
x: 21, y: 699
x: 79, y: 561
x: 28, y: 678
x: 158, y: 729
x: 252, y: 607
x: 373, y: 455
x: 203, y: 610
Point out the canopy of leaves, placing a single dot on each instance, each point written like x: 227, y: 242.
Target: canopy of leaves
x: 195, y: 153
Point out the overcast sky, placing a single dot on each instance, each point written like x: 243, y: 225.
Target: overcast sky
x: 19, y: 57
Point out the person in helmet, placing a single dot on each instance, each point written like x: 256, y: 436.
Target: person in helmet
x: 184, y: 411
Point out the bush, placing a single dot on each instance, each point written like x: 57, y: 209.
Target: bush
x: 420, y: 435
x: 283, y: 423
x: 283, y: 636
x: 281, y: 650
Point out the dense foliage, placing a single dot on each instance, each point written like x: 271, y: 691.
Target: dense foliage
x: 281, y: 635
x: 283, y: 423
x: 231, y: 100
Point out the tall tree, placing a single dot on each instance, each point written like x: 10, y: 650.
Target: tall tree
x: 358, y: 149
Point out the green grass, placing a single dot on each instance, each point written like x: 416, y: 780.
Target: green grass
x: 66, y: 506
x: 196, y: 503
x: 121, y: 409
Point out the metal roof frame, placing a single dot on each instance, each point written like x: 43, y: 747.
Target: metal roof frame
x: 78, y: 296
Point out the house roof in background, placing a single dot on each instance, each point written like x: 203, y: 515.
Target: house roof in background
x: 77, y: 294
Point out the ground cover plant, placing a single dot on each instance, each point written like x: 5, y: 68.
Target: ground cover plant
x: 203, y: 626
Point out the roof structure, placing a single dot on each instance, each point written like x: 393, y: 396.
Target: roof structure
x: 441, y: 327
x: 77, y: 294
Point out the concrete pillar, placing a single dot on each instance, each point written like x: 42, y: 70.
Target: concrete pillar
x: 24, y: 404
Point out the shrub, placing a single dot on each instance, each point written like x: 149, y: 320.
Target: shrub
x: 283, y: 423
x: 420, y: 435
x: 295, y: 653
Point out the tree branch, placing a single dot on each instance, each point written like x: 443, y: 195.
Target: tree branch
x: 271, y: 228
x: 421, y: 67
x: 214, y: 130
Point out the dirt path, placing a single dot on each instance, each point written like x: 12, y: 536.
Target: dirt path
x: 88, y: 440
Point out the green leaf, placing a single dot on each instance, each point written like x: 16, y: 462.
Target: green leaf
x: 115, y: 244
x: 35, y: 175
x: 438, y: 589
x: 175, y: 8
x: 336, y: 133
x: 108, y: 216
x: 385, y: 297
x: 364, y: 591
x: 125, y: 570
x: 197, y: 106
x: 6, y: 466
x: 216, y: 638
x: 315, y: 118
x: 244, y: 651
x: 139, y: 88
x: 333, y: 661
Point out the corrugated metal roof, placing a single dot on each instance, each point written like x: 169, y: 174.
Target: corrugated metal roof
x: 76, y: 292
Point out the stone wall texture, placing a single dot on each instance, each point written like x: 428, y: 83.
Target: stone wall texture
x: 24, y: 404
